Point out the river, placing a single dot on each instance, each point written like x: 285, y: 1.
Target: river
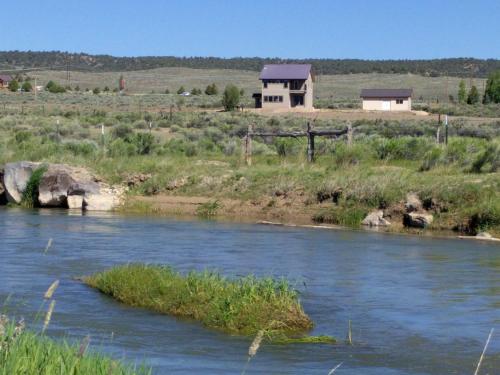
x: 418, y: 305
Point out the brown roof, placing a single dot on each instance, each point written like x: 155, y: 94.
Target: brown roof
x: 386, y: 93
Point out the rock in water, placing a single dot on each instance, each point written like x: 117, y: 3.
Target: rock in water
x: 375, y: 219
x: 417, y: 220
x: 53, y: 188
x: 16, y: 177
x: 484, y: 235
x: 413, y: 203
x: 75, y: 202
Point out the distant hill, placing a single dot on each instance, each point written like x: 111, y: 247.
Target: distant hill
x: 57, y: 60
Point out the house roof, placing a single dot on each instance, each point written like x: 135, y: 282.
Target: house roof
x: 5, y: 78
x: 285, y: 71
x: 386, y: 93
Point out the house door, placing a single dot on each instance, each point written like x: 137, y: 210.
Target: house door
x: 297, y: 100
x: 386, y: 105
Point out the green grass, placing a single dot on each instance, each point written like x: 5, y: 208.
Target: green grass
x: 27, y: 353
x: 30, y: 194
x: 241, y: 306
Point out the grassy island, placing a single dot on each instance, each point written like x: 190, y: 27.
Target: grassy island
x: 240, y: 306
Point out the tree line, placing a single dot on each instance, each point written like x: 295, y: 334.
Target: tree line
x: 459, y: 67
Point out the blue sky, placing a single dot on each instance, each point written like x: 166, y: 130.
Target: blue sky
x: 377, y: 29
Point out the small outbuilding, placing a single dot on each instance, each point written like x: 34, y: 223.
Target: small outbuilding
x: 5, y: 80
x: 386, y: 99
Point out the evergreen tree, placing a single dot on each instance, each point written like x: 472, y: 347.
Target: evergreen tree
x: 492, y: 91
x: 473, y: 97
x: 212, y: 89
x: 181, y: 90
x: 462, y: 92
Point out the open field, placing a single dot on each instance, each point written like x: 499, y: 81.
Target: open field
x: 327, y: 87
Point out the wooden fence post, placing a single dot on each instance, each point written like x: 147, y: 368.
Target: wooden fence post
x: 248, y: 146
x: 349, y: 134
x: 310, y: 143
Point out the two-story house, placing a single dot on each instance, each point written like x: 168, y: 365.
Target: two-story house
x: 286, y: 86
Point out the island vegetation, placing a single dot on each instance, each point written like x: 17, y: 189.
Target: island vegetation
x: 240, y: 306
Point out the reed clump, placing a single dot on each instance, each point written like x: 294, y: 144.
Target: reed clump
x: 25, y: 352
x: 242, y: 306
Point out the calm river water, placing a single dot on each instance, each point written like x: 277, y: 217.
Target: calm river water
x: 417, y: 305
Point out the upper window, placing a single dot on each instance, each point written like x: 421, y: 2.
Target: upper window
x: 285, y: 84
x: 399, y: 101
x: 265, y: 84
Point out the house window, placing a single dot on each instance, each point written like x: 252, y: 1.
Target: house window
x: 281, y: 99
x: 399, y: 101
x: 265, y: 84
x: 276, y: 99
x: 266, y: 98
x: 285, y: 84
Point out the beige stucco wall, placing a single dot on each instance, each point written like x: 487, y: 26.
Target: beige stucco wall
x: 278, y: 89
x: 376, y: 105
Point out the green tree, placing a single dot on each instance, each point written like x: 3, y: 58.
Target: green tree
x: 181, y: 90
x: 462, y: 92
x: 195, y: 91
x: 96, y: 90
x: 492, y: 91
x: 13, y: 85
x: 167, y: 91
x: 26, y: 87
x: 473, y: 97
x: 231, y: 97
x: 54, y: 88
x: 106, y: 89
x: 212, y: 89
x: 242, y: 92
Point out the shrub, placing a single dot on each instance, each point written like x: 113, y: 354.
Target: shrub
x: 27, y: 87
x: 54, y: 88
x: 30, y: 194
x: 122, y: 131
x: 13, y: 85
x: 143, y: 142
x: 231, y: 98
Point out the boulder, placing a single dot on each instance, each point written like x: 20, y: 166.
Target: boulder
x: 375, y: 219
x: 101, y: 202
x: 53, y: 189
x: 16, y: 177
x: 83, y: 188
x: 417, y: 220
x: 75, y: 202
x: 3, y: 198
x: 413, y: 203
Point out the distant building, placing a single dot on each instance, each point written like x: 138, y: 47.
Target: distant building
x: 5, y: 80
x: 286, y: 86
x: 386, y: 99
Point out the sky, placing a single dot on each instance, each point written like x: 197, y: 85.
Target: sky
x: 365, y: 29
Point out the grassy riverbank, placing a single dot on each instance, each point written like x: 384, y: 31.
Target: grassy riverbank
x: 24, y: 352
x: 198, y: 154
x: 242, y: 306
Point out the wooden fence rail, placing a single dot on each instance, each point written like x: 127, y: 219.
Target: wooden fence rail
x: 310, y: 133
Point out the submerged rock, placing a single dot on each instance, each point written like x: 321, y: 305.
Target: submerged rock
x: 417, y: 220
x: 375, y: 219
x: 16, y: 177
